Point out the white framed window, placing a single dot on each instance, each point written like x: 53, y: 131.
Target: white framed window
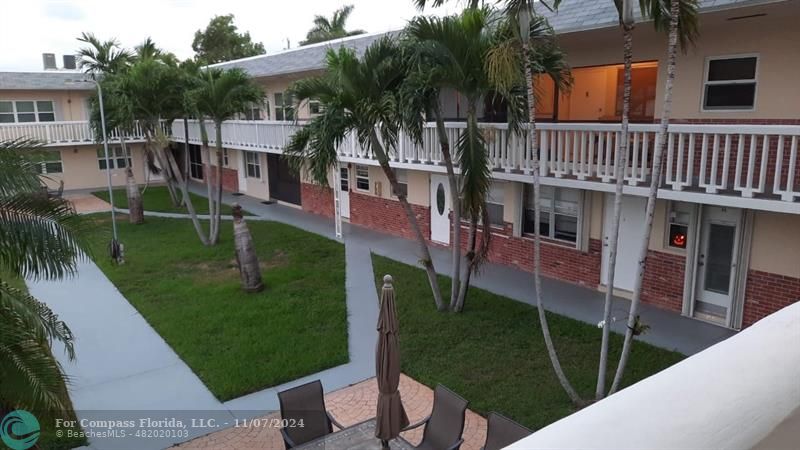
x: 252, y: 165
x: 315, y: 107
x: 560, y: 214
x: 495, y: 199
x: 679, y: 215
x: 362, y: 178
x: 402, y: 182
x: 48, y: 162
x: 225, y: 158
x: 26, y: 111
x: 730, y: 83
x: 117, y: 158
x: 284, y: 110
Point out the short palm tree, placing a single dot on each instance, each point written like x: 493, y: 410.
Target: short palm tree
x: 220, y: 95
x: 98, y: 57
x: 361, y: 97
x: 40, y: 237
x: 451, y: 52
x: 327, y: 29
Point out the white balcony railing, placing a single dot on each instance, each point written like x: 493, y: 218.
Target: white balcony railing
x: 63, y: 133
x: 745, y: 161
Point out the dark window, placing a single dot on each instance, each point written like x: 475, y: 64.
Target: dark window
x: 362, y: 178
x: 730, y: 84
x: 558, y: 216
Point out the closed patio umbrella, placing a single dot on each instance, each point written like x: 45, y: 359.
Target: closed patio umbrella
x: 391, y: 416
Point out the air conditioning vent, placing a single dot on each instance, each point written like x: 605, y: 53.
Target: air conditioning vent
x: 49, y: 61
x: 70, y: 62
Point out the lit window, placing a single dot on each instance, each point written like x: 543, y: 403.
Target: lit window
x: 362, y: 178
x: 252, y: 164
x: 402, y: 182
x: 730, y: 83
x: 48, y: 162
x: 494, y: 204
x: 559, y: 216
x: 117, y: 158
x: 678, y: 224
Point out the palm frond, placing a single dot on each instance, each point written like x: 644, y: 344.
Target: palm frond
x: 20, y: 307
x: 17, y: 172
x: 40, y: 237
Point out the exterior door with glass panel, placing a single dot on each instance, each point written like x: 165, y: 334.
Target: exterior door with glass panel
x: 716, y: 260
x: 344, y: 193
x: 440, y: 209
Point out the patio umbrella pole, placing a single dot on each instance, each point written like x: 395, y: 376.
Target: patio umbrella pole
x: 391, y: 416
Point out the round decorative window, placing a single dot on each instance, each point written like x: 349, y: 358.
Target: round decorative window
x: 440, y: 199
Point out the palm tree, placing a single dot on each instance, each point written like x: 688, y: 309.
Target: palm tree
x: 687, y: 33
x: 220, y: 95
x: 325, y: 29
x: 361, y: 97
x: 451, y: 52
x: 152, y: 90
x: 40, y: 238
x: 682, y: 19
x: 530, y: 50
x: 100, y: 57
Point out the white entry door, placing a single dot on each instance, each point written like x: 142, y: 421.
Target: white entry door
x: 440, y: 209
x: 716, y: 260
x: 631, y: 233
x: 344, y: 192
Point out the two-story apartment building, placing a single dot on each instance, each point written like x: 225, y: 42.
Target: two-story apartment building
x: 52, y: 107
x: 726, y: 242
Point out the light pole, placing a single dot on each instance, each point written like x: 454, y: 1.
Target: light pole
x: 115, y: 249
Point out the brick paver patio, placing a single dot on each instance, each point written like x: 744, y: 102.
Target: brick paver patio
x: 349, y: 406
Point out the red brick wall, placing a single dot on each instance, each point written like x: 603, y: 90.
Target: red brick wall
x: 230, y: 177
x: 664, y: 280
x: 766, y: 293
x: 317, y: 199
x: 387, y: 216
x: 558, y: 260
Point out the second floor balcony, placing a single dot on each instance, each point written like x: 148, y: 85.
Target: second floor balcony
x: 744, y: 166
x: 66, y: 133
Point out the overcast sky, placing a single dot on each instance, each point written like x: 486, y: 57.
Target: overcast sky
x: 32, y: 27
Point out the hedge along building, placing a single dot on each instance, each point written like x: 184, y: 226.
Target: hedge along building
x: 52, y: 107
x: 726, y: 242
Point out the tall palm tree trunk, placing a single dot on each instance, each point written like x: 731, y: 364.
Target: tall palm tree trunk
x: 620, y: 164
x: 207, y: 176
x: 135, y: 206
x: 183, y: 183
x: 455, y: 200
x: 426, y: 259
x: 537, y: 277
x: 655, y: 182
x: 218, y: 181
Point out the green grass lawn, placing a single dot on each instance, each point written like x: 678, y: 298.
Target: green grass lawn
x: 156, y: 198
x: 235, y: 342
x: 47, y: 419
x: 493, y: 353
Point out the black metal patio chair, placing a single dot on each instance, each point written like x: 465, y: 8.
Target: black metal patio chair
x: 502, y: 432
x: 304, y: 414
x: 443, y: 428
